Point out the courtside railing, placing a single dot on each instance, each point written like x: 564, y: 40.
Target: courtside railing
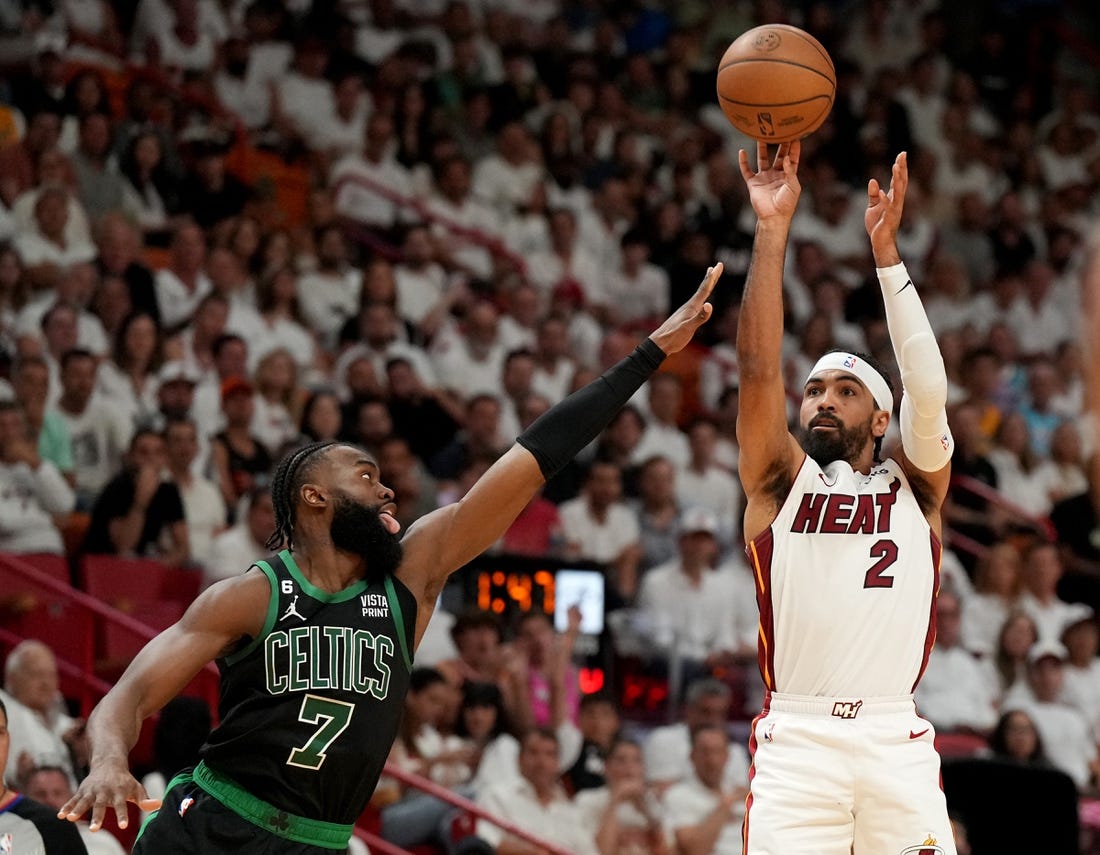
x: 25, y: 587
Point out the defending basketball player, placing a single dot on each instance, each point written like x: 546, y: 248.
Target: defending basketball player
x: 315, y: 643
x: 845, y: 547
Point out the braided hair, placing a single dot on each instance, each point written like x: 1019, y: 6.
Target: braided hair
x: 289, y: 476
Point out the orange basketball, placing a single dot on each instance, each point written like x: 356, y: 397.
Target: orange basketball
x: 776, y: 83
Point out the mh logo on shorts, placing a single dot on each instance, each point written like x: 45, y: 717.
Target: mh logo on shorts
x: 929, y: 847
x: 846, y: 709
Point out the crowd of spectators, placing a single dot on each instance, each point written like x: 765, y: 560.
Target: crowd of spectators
x: 475, y: 207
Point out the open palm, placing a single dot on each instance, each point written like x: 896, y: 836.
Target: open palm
x: 774, y: 190
x: 884, y: 207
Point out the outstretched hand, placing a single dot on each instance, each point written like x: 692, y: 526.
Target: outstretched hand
x: 673, y: 335
x: 773, y: 190
x: 107, y: 787
x: 883, y: 216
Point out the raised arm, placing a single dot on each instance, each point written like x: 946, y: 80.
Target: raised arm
x: 220, y: 617
x: 448, y: 538
x: 926, y: 439
x: 769, y: 456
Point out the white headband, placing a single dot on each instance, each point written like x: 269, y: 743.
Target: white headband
x: 838, y: 360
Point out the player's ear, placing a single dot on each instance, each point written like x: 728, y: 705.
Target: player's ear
x: 313, y: 495
x: 880, y: 422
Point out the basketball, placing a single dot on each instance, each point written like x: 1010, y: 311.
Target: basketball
x: 776, y: 83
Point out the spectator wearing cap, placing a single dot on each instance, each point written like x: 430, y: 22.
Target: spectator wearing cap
x: 953, y: 693
x: 1082, y: 671
x: 239, y: 459
x: 687, y: 601
x: 1066, y: 735
x: 99, y: 434
x: 175, y: 395
x: 140, y: 512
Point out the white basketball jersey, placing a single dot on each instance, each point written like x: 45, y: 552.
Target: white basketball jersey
x: 846, y: 581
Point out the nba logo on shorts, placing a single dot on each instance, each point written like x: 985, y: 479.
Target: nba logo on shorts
x: 769, y: 732
x: 849, y: 361
x: 185, y: 804
x: 6, y: 844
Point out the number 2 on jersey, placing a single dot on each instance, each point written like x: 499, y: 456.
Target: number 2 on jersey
x: 333, y: 717
x: 886, y: 551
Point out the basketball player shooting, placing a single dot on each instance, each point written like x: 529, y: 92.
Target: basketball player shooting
x: 845, y: 549
x: 315, y: 643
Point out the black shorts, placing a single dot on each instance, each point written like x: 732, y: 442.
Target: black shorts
x: 192, y: 822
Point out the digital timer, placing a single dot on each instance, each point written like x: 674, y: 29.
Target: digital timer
x: 499, y: 591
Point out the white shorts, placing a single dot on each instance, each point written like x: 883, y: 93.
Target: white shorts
x: 840, y: 776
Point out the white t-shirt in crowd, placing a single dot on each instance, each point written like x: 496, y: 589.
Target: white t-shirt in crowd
x: 558, y: 822
x: 175, y: 300
x: 100, y: 436
x: 689, y: 802
x: 596, y: 540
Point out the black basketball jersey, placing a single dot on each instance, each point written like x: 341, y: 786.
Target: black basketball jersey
x: 310, y: 709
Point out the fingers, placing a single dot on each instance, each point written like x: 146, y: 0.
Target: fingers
x: 99, y: 811
x: 74, y: 808
x: 761, y: 156
x: 781, y: 155
x: 148, y: 804
x: 121, y: 812
x: 707, y: 285
x: 743, y: 162
x: 873, y: 192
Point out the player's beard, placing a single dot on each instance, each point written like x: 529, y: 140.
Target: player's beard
x: 843, y: 443
x: 356, y: 528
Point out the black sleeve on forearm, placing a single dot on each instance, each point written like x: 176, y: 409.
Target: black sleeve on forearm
x: 557, y: 435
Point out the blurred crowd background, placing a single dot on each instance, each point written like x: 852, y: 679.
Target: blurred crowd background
x: 228, y: 228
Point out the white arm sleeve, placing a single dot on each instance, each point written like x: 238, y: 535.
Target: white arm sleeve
x: 925, y: 435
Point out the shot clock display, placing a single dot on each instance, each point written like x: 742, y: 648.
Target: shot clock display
x: 508, y: 586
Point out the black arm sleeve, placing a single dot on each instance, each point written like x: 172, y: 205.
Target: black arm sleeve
x: 557, y: 435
